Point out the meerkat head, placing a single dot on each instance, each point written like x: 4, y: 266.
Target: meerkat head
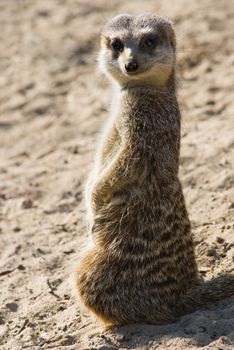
x: 138, y: 50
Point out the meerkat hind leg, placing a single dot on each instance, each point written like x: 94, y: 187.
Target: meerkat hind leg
x: 125, y: 306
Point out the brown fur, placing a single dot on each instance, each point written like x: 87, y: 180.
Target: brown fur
x: 141, y: 266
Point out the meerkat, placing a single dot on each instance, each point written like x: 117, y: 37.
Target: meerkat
x: 140, y: 265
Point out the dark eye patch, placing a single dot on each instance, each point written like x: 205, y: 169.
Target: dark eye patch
x: 149, y: 41
x: 117, y: 45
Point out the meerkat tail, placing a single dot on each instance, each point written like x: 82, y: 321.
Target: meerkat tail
x: 204, y: 294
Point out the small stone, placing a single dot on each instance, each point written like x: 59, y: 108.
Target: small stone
x: 219, y: 240
x: 211, y: 252
x: 21, y: 267
x: 69, y: 251
x: 40, y: 341
x: 210, y: 102
x: 68, y: 340
x: 27, y: 204
x: 12, y: 307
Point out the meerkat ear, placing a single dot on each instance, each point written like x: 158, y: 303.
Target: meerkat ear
x: 105, y: 40
x: 172, y: 36
x: 171, y: 33
x: 173, y: 40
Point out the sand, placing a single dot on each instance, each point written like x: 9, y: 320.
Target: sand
x: 52, y: 106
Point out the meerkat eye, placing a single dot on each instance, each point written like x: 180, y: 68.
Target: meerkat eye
x: 117, y: 45
x: 150, y: 42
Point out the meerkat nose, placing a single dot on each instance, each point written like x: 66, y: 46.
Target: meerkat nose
x: 131, y: 66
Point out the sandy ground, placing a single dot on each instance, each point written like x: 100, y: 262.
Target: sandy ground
x: 52, y: 105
